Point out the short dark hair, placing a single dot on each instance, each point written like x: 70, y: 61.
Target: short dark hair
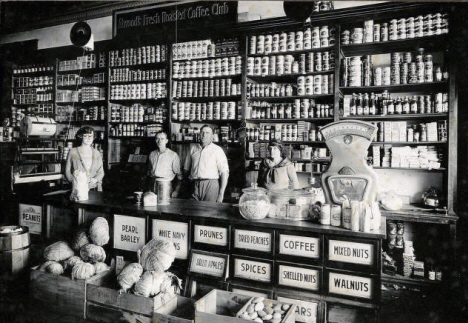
x: 278, y: 143
x: 82, y: 131
x: 160, y: 131
x: 207, y: 126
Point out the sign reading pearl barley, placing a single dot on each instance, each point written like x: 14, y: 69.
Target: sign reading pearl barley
x: 129, y: 232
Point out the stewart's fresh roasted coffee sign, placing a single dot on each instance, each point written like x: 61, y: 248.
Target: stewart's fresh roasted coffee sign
x: 160, y: 18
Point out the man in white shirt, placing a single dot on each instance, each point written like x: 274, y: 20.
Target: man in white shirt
x: 164, y: 164
x: 208, y: 168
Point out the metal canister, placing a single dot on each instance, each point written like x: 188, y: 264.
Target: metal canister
x: 257, y: 66
x: 376, y: 33
x: 317, y: 84
x: 288, y: 61
x: 279, y: 65
x: 357, y: 36
x: 368, y: 31
x: 309, y: 85
x: 377, y: 76
x: 291, y: 41
x: 335, y: 215
x: 384, y: 32
x: 301, y: 85
x: 428, y: 72
x: 395, y: 76
x: 386, y: 75
x: 268, y: 43
x: 265, y: 65
x: 410, y: 28
x: 428, y: 26
x: 325, y: 214
x: 393, y: 30
x: 318, y: 62
x: 275, y: 43
x: 419, y: 26
x: 299, y: 42
x: 260, y: 44
x: 253, y: 45
x: 250, y: 65
x: 345, y: 37
x: 324, y: 89
x: 404, y: 71
x: 402, y: 28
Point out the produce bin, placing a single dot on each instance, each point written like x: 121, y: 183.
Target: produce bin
x: 178, y: 310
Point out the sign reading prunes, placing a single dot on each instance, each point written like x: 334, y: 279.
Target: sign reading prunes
x: 305, y: 311
x: 304, y: 278
x: 207, y: 264
x: 350, y: 285
x: 31, y: 216
x: 351, y: 252
x: 299, y: 246
x: 211, y: 235
x: 129, y: 232
x: 252, y: 270
x: 177, y: 232
x: 155, y: 18
x: 252, y: 240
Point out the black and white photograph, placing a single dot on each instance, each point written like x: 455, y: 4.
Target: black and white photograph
x: 225, y: 161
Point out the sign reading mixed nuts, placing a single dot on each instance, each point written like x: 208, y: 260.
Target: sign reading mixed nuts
x: 351, y: 252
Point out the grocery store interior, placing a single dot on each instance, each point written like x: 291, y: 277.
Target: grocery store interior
x: 331, y: 188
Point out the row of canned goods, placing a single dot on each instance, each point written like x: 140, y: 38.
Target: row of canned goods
x: 137, y: 113
x: 129, y: 75
x: 205, y: 88
x: 225, y: 66
x: 137, y: 56
x: 193, y: 49
x: 134, y: 130
x: 315, y: 84
x: 397, y: 29
x: 287, y: 64
x: 32, y: 81
x: 290, y: 132
x: 311, y: 37
x: 138, y: 91
x: 203, y: 111
x: 300, y: 109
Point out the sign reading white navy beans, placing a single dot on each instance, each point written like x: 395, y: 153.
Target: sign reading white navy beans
x: 177, y: 232
x: 293, y: 246
x: 211, y: 237
x: 353, y: 254
x: 254, y: 242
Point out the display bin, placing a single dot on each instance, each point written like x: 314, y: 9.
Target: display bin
x: 178, y: 310
x: 289, y: 315
x: 341, y: 313
x: 223, y: 307
x: 62, y: 294
x: 105, y: 303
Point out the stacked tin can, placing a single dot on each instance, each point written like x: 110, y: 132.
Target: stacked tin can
x: 128, y: 75
x: 315, y: 84
x: 138, y: 91
x: 225, y: 66
x: 205, y: 88
x: 217, y: 110
x: 137, y: 56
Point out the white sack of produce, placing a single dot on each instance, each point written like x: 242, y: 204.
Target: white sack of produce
x: 52, y: 267
x: 82, y: 270
x: 58, y: 251
x: 92, y: 253
x: 170, y: 287
x: 100, y: 267
x: 160, y: 249
x: 80, y: 189
x: 99, y: 231
x: 80, y: 238
x: 129, y: 276
x: 69, y: 263
x: 391, y: 202
x: 149, y: 284
x: 150, y: 199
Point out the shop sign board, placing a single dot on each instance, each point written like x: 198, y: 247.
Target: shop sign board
x: 252, y: 270
x: 305, y: 278
x: 129, y: 232
x: 253, y: 240
x: 160, y: 18
x: 31, y: 216
x: 177, y: 232
x: 305, y: 311
x: 291, y: 245
x: 351, y: 252
x: 208, y: 263
x: 217, y: 236
x: 350, y: 285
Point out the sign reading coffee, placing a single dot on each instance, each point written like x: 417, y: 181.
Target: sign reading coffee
x: 159, y: 18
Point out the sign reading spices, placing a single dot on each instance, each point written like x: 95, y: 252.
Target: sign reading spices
x: 350, y: 285
x: 160, y: 18
x: 305, y: 311
x: 31, y: 216
x: 304, y: 278
x: 129, y: 232
x: 252, y: 270
x: 252, y: 240
x: 208, y: 264
x: 177, y: 232
x: 351, y: 252
x: 211, y: 235
x: 299, y: 246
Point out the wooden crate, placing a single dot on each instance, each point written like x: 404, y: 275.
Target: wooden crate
x: 178, y: 310
x: 106, y: 304
x: 289, y: 316
x: 61, y: 294
x: 220, y: 306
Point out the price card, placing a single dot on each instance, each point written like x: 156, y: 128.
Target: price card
x: 252, y: 270
x: 350, y: 285
x: 210, y: 235
x: 298, y: 277
x: 299, y: 246
x: 253, y: 240
x: 31, y: 216
x: 351, y: 252
x: 208, y: 264
x: 177, y: 232
x: 129, y: 232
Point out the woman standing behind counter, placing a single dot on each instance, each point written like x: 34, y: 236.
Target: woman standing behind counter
x: 86, y: 159
x: 277, y: 171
